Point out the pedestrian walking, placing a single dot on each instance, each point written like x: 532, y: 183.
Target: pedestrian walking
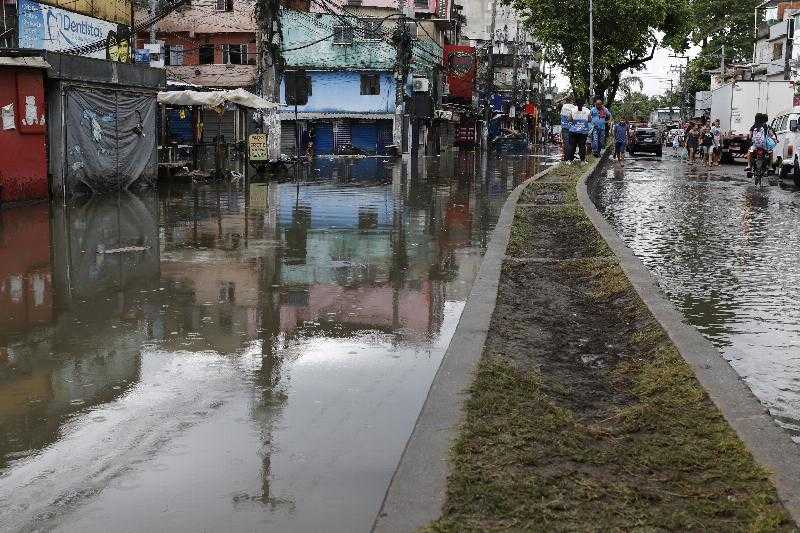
x: 676, y: 144
x: 601, y: 118
x: 692, y: 143
x: 716, y: 133
x: 708, y: 146
x: 566, y: 123
x: 620, y: 141
x: 579, y: 131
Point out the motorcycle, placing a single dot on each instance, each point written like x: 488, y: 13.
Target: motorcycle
x: 761, y: 165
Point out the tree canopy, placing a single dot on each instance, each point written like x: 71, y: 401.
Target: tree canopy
x: 718, y: 23
x: 626, y: 36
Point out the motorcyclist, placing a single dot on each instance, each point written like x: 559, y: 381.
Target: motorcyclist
x: 759, y: 133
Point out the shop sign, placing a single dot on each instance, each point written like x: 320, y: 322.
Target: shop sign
x: 257, y: 143
x: 51, y: 28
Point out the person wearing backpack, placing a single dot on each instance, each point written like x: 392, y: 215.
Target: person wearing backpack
x: 762, y: 136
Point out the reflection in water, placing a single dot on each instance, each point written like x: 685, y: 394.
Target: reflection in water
x: 726, y: 253
x: 232, y: 356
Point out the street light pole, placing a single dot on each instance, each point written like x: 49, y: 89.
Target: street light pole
x: 591, y: 49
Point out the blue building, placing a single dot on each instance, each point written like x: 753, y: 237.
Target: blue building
x: 352, y: 88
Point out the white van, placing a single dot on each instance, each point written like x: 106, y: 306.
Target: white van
x: 787, y: 157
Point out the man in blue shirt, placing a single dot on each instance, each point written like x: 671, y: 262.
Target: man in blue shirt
x: 601, y: 117
x: 620, y: 140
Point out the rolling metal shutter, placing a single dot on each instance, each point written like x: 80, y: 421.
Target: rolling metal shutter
x: 216, y: 124
x: 364, y: 136
x: 287, y: 138
x: 323, y: 138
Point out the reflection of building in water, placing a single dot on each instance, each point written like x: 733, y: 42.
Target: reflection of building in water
x: 25, y: 273
x: 88, y: 352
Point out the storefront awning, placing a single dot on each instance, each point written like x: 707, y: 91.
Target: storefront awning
x: 215, y: 99
x: 29, y: 62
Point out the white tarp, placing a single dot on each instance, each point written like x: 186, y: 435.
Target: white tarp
x: 215, y: 99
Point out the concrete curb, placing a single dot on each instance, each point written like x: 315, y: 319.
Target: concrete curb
x: 770, y: 445
x: 417, y: 491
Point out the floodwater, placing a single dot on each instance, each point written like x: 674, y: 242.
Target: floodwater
x: 234, y: 356
x: 727, y: 254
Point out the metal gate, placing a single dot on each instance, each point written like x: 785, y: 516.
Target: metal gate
x: 341, y: 134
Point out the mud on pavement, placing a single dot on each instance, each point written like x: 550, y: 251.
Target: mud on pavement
x: 583, y: 415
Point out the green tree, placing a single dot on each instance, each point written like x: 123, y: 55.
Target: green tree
x: 718, y: 23
x: 625, y: 36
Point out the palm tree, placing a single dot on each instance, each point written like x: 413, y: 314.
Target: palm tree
x: 627, y: 84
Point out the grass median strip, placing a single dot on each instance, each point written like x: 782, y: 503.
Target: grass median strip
x: 583, y: 416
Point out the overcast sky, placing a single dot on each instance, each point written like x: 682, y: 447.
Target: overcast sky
x: 655, y: 77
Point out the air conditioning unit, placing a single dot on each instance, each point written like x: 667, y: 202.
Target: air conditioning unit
x: 421, y: 85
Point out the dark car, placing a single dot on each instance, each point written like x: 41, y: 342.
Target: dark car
x: 646, y: 140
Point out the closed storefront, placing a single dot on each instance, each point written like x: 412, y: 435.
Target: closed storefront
x: 323, y: 138
x: 364, y: 136
x: 215, y: 124
x: 288, y: 138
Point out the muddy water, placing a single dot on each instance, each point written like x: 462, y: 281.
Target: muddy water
x: 728, y: 256
x: 236, y: 356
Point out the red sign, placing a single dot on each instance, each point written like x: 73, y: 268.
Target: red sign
x: 461, y: 68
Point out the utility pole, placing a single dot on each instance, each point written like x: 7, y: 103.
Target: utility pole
x: 403, y: 46
x: 267, y: 12
x: 152, y: 6
x: 487, y: 113
x: 591, y: 51
x: 684, y: 80
x: 515, y: 77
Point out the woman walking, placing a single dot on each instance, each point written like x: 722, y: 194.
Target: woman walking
x: 692, y: 142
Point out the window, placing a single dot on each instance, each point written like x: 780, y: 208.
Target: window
x: 173, y: 55
x: 234, y: 54
x: 370, y: 84
x: 777, y: 51
x: 372, y: 29
x: 421, y: 4
x: 207, y: 54
x: 342, y: 35
x: 224, y: 5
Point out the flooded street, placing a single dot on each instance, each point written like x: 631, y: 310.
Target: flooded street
x: 236, y: 356
x: 728, y: 256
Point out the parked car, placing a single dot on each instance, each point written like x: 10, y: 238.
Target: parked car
x: 785, y: 154
x: 646, y: 140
